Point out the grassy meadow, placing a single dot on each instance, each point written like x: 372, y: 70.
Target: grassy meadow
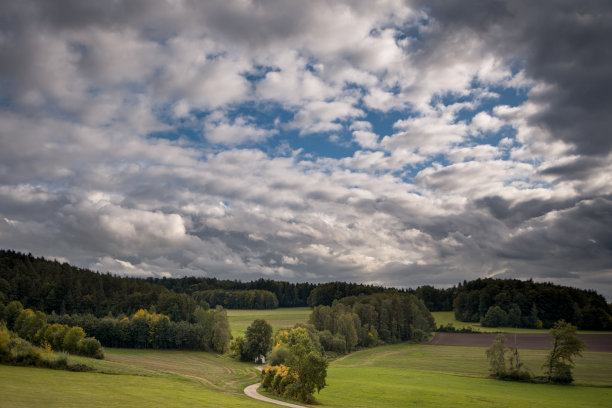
x: 386, y: 376
x: 133, y: 378
x: 432, y: 376
x: 278, y: 318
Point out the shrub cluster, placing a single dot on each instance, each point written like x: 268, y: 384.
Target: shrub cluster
x: 33, y: 327
x: 557, y: 365
x: 17, y: 351
x: 450, y: 328
x: 298, y: 369
x: 146, y: 329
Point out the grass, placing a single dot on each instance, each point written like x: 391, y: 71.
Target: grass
x: 133, y: 378
x: 37, y: 387
x: 387, y: 376
x: 444, y: 318
x: 433, y: 376
x: 278, y: 318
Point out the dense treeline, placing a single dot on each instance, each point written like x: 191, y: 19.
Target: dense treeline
x: 436, y: 300
x: 237, y: 299
x: 50, y: 286
x: 368, y: 320
x: 287, y: 294
x: 326, y: 293
x: 143, y: 329
x: 496, y: 302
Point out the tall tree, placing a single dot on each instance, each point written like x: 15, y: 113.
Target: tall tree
x: 258, y: 340
x: 560, y: 361
x: 497, y: 356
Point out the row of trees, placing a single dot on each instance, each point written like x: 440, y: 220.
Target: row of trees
x: 50, y: 286
x: 33, y: 327
x: 237, y: 299
x: 367, y: 320
x: 288, y: 294
x: 144, y: 329
x: 505, y: 363
x: 496, y: 302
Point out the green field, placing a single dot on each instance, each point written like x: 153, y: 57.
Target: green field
x: 433, y: 376
x: 278, y: 318
x: 133, y: 378
x: 386, y: 376
x: 443, y: 318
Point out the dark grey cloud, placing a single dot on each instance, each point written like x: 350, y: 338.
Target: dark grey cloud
x: 564, y: 44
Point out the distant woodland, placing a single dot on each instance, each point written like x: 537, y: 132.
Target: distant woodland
x: 62, y: 289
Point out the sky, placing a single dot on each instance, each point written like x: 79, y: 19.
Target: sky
x: 397, y: 143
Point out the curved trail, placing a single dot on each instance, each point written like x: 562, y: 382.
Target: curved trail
x: 251, y: 391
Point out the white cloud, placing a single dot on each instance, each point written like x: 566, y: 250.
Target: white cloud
x: 238, y: 131
x: 484, y: 122
x: 320, y: 116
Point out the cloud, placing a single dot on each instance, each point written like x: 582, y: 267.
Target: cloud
x: 316, y: 117
x: 238, y: 131
x: 562, y: 47
x: 462, y: 139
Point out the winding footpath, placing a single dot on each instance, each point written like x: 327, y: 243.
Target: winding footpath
x: 251, y: 391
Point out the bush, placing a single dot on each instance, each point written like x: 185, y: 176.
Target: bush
x: 237, y: 347
x: 303, y: 369
x: 450, y: 328
x: 418, y: 335
x: 11, y: 312
x: 54, y: 335
x: 72, y: 338
x: 90, y: 347
x: 339, y: 344
x: 23, y: 353
x: 278, y: 355
x: 495, y: 317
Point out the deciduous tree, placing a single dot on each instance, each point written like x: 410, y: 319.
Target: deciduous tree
x: 258, y: 340
x: 560, y: 361
x: 497, y: 356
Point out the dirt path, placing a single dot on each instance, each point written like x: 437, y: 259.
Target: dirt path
x: 251, y: 391
x: 530, y: 341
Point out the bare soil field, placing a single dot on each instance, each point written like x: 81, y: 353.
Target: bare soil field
x: 531, y: 341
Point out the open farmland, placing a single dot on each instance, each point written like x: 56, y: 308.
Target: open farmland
x: 278, y: 318
x: 386, y: 376
x: 44, y: 388
x: 438, y: 376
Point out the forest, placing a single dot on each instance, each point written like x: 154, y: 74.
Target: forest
x: 54, y: 287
